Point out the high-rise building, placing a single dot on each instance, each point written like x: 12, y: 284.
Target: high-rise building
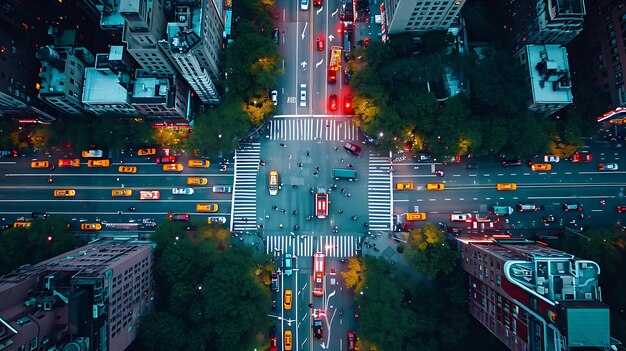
x: 194, y: 45
x: 546, y: 21
x: 419, y: 16
x: 107, y: 12
x: 88, y: 299
x: 599, y: 55
x: 548, y: 77
x: 533, y: 297
x: 145, y: 25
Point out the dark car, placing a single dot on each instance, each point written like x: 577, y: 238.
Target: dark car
x: 317, y: 329
x: 572, y: 207
x: 511, y: 163
x: 423, y: 157
x: 275, y: 35
x: 472, y: 166
x: 621, y: 209
x: 548, y: 219
x: 8, y: 153
x: 178, y: 217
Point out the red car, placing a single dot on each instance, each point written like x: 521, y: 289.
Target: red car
x: 332, y: 102
x: 621, y: 209
x: 66, y: 162
x: 582, y: 157
x: 166, y: 159
x: 352, y: 148
x: 273, y: 344
x: 319, y: 40
x: 351, y: 341
x: 347, y: 104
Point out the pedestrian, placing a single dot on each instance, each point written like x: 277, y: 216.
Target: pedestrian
x: 282, y: 145
x: 336, y: 148
x: 340, y: 210
x: 365, y: 225
x: 267, y: 216
x: 295, y: 212
x: 308, y: 153
x: 342, y: 160
x: 281, y: 226
x: 343, y: 190
x: 290, y: 157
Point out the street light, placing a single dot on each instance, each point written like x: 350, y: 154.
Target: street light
x: 381, y: 134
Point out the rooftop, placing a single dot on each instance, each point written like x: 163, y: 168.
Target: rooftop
x: 549, y: 73
x: 103, y: 88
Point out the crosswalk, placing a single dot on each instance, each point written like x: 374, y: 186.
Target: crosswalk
x: 379, y: 194
x: 299, y: 246
x: 312, y: 129
x: 243, y: 212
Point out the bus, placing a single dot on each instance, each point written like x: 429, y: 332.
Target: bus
x: 273, y: 179
x: 318, y: 274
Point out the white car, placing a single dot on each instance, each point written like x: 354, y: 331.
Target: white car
x: 274, y: 97
x: 551, y: 158
x: 220, y: 220
x: 302, y: 95
x: 608, y: 166
x: 182, y: 191
x: 304, y: 5
x: 461, y: 217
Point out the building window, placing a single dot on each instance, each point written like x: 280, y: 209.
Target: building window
x: 33, y: 343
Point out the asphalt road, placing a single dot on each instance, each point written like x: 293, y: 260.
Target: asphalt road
x: 25, y: 190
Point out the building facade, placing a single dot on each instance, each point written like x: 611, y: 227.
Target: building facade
x: 533, y: 297
x: 548, y: 77
x: 145, y: 25
x: 419, y: 16
x: 194, y: 45
x: 600, y: 54
x: 88, y: 299
x: 62, y: 74
x: 546, y: 21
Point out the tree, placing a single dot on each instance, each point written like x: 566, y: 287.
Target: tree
x: 428, y: 251
x: 42, y: 240
x: 354, y: 275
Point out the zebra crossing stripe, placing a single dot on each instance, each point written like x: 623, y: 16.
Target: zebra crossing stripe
x: 312, y: 129
x: 243, y: 209
x: 331, y: 246
x: 379, y: 193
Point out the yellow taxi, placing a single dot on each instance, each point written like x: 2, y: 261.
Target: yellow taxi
x: 416, y: 216
x: 197, y: 181
x: 173, y: 167
x: 199, y: 163
x: 288, y: 297
x: 121, y: 192
x: 21, y: 224
x: 99, y: 163
x: 540, y: 167
x: 39, y: 164
x: 64, y: 192
x: 206, y: 207
x: 127, y: 169
x: 90, y: 226
x: 405, y: 186
x: 146, y: 152
x: 287, y: 340
x: 435, y: 186
x: 506, y: 186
